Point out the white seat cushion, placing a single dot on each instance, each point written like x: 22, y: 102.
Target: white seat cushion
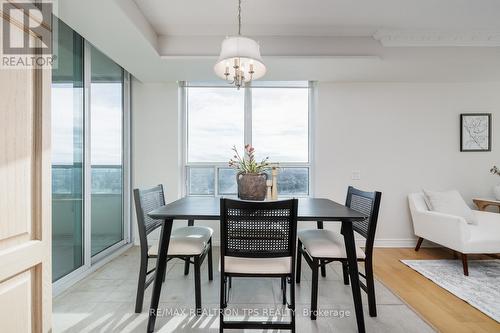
x: 186, y: 241
x: 321, y: 243
x: 282, y: 265
x: 485, y: 236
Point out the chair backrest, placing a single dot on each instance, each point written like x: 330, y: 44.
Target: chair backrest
x: 367, y: 203
x: 258, y: 229
x: 147, y: 200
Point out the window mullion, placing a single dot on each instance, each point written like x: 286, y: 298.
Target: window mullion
x: 248, y: 116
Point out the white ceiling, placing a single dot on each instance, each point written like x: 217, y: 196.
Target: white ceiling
x: 325, y: 40
x: 317, y: 17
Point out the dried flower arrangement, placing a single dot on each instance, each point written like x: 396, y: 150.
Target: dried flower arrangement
x: 248, y: 164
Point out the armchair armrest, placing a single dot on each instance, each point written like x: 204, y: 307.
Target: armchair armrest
x: 486, y: 217
x: 444, y: 229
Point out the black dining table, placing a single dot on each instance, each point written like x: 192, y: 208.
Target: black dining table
x: 208, y: 208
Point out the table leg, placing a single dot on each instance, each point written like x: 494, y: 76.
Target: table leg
x: 323, y: 267
x: 161, y: 264
x: 353, y: 272
x: 186, y: 264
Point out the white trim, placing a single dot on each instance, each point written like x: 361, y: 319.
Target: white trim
x: 380, y: 243
x: 182, y: 136
x: 247, y: 115
x: 127, y: 160
x: 422, y: 38
x: 87, y: 179
x: 107, y: 251
x: 313, y: 99
x: 399, y: 242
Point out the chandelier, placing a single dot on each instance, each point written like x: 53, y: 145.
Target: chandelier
x: 239, y: 62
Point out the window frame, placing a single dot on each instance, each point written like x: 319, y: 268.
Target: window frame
x: 184, y: 180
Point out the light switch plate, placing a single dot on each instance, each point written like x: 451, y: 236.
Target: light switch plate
x: 356, y: 175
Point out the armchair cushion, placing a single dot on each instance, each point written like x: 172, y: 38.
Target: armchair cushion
x: 485, y: 236
x: 449, y: 202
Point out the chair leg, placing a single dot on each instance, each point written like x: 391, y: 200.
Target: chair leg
x: 345, y: 272
x: 164, y: 274
x: 299, y: 262
x: 283, y: 289
x: 210, y: 263
x: 465, y: 264
x: 419, y: 242
x: 292, y: 302
x: 141, y: 284
x: 222, y: 294
x: 314, y: 289
x: 370, y: 288
x: 197, y: 284
x: 323, y: 266
x: 186, y: 266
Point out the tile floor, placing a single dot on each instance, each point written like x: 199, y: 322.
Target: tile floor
x: 104, y: 302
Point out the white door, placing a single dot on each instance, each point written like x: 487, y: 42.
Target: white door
x: 25, y: 193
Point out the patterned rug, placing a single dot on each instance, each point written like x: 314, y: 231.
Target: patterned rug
x: 481, y: 288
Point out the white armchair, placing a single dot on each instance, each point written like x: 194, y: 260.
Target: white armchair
x: 454, y: 232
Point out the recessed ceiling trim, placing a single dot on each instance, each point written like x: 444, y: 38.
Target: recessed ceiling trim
x: 336, y: 57
x: 407, y: 38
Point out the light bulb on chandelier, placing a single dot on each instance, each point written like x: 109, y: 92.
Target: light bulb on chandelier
x: 239, y: 61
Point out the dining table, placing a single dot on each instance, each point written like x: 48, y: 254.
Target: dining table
x: 193, y: 208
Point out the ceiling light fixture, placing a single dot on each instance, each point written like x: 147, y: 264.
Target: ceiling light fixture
x: 239, y: 61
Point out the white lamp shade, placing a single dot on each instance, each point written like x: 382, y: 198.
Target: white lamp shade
x: 246, y: 50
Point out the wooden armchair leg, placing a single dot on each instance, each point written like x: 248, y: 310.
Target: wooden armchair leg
x: 419, y: 242
x: 465, y: 264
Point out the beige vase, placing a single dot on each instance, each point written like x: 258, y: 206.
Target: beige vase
x: 252, y: 186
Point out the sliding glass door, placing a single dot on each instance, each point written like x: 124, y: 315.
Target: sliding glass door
x: 90, y: 140
x: 67, y: 154
x: 106, y: 117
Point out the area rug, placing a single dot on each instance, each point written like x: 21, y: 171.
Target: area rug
x: 481, y: 288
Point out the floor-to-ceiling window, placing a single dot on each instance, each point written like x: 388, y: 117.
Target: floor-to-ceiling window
x: 67, y: 153
x: 106, y: 123
x: 89, y: 154
x: 273, y: 116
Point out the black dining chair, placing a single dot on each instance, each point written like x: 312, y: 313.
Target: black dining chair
x: 191, y: 244
x: 258, y: 240
x: 321, y: 247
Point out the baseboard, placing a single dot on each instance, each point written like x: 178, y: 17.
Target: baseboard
x: 385, y: 242
x: 390, y: 242
x: 394, y: 242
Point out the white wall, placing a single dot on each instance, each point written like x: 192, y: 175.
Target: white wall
x: 155, y: 145
x: 155, y: 133
x: 401, y: 136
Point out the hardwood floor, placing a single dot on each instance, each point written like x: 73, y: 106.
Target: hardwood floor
x: 444, y: 311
